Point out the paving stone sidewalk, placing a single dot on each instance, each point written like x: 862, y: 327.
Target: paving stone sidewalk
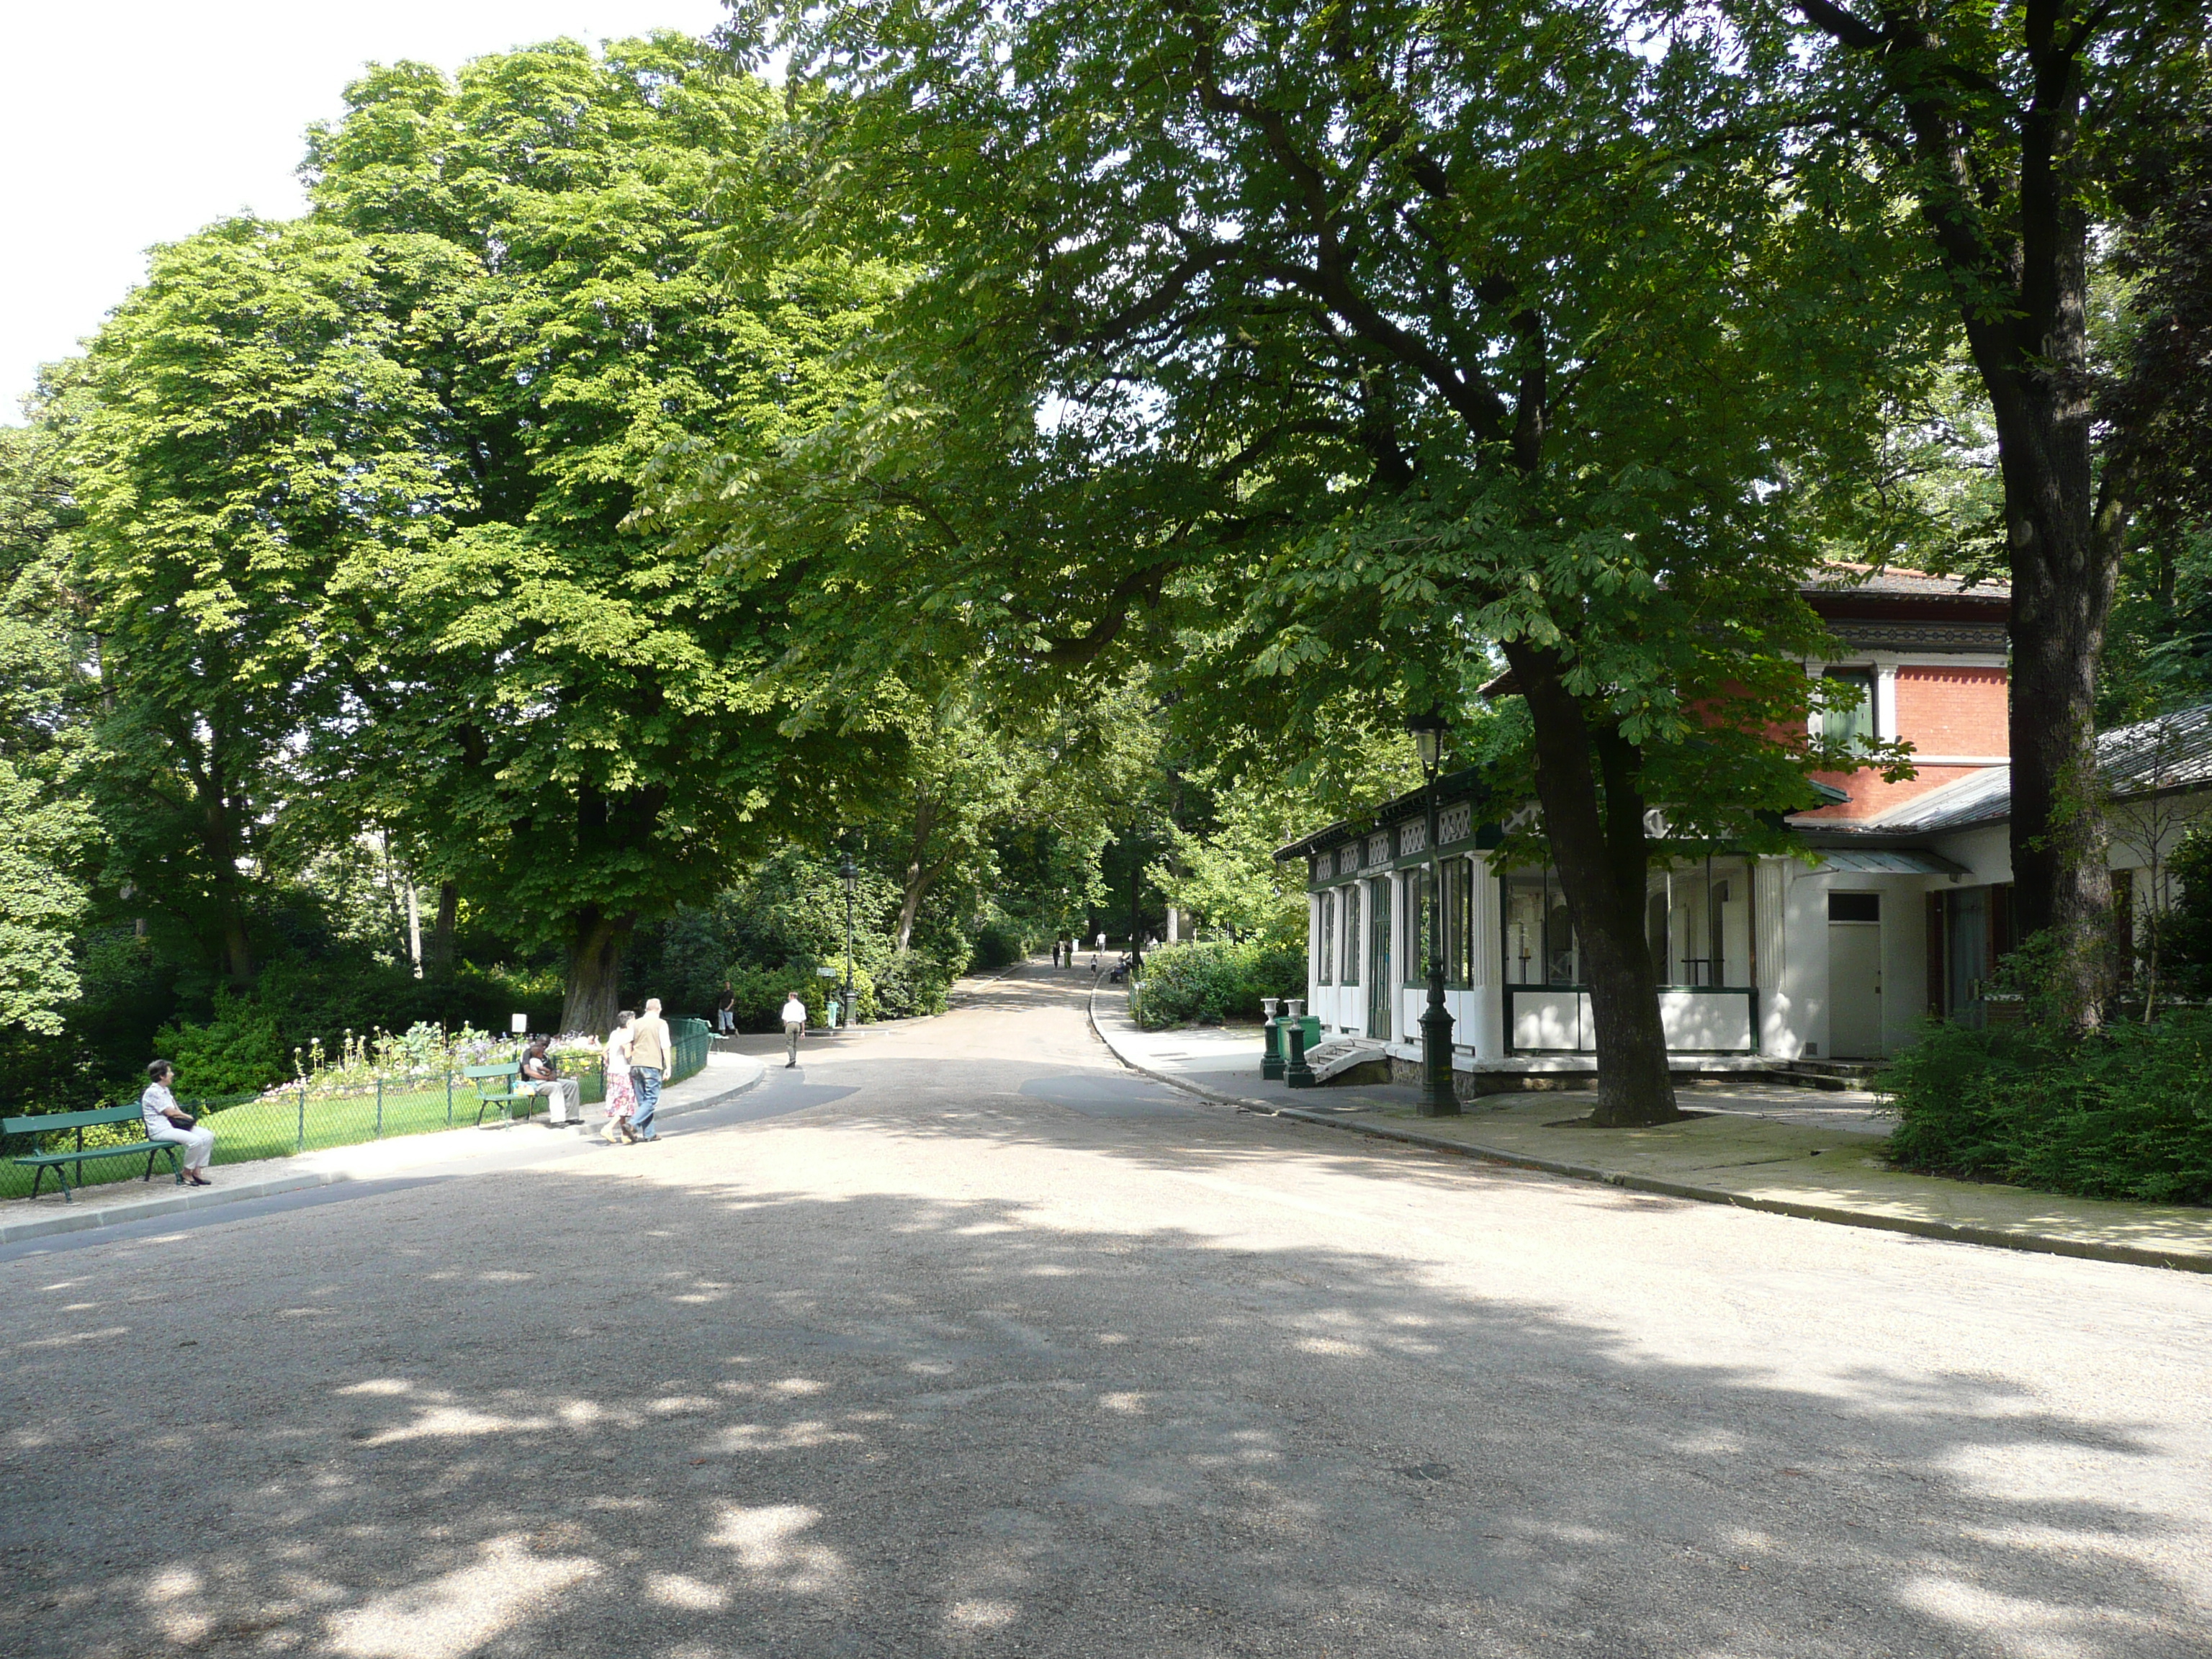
x: 114, y: 1203
x: 1795, y: 1152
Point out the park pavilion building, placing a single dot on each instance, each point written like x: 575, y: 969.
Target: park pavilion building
x: 1899, y: 910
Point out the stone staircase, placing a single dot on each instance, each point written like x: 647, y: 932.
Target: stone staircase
x: 1830, y: 1074
x: 1338, y: 1061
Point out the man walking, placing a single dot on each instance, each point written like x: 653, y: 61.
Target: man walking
x: 648, y: 1062
x: 794, y: 1027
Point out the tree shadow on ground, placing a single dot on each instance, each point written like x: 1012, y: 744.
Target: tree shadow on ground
x: 674, y: 1416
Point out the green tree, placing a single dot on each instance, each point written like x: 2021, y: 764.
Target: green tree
x: 2013, y: 132
x: 1316, y: 349
x: 46, y: 824
x: 546, y: 705
x: 243, y: 430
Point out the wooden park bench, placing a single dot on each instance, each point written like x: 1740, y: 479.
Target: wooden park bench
x: 39, y: 1162
x: 496, y: 1085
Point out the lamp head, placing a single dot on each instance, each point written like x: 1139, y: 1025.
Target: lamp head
x: 1428, y: 734
x: 849, y: 874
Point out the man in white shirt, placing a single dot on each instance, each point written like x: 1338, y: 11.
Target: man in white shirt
x: 649, y: 1044
x: 794, y: 1027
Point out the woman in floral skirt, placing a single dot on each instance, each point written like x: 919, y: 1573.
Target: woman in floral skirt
x: 622, y: 1098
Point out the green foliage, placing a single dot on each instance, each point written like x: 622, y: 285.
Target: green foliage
x: 237, y: 1051
x: 1000, y: 941
x: 769, y: 930
x: 566, y: 717
x: 45, y: 823
x: 241, y: 428
x: 2186, y: 941
x: 2124, y: 1113
x: 1183, y: 984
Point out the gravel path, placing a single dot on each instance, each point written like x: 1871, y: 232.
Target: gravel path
x: 964, y: 1341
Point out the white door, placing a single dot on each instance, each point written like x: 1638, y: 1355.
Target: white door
x: 1855, y: 977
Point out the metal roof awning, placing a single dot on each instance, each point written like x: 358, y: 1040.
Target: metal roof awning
x: 1880, y: 861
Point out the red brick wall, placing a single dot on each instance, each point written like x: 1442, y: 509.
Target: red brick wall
x: 1939, y: 711
x: 1952, y: 711
x: 1870, y: 794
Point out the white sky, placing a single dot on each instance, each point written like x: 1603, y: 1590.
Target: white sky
x: 125, y: 122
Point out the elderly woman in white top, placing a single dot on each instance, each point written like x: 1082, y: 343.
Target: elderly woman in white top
x: 166, y: 1120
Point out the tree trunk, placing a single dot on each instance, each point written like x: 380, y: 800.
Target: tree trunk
x: 2023, y: 276
x: 919, y: 873
x: 596, y: 944
x: 219, y: 844
x: 2062, y: 881
x: 1603, y: 857
x: 438, y: 954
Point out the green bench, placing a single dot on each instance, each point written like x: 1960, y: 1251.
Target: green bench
x: 39, y: 1162
x: 495, y: 1086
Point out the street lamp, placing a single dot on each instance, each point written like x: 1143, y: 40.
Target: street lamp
x: 1438, y: 1098
x: 849, y: 874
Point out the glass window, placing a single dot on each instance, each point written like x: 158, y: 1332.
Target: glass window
x: 1459, y: 922
x: 1854, y: 907
x: 1328, y: 953
x: 1419, y: 934
x: 1352, y: 936
x: 1844, y: 720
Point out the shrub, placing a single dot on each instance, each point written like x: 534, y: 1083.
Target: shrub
x: 912, y: 985
x: 2124, y: 1113
x: 237, y: 1051
x: 1215, y: 982
x: 1000, y: 942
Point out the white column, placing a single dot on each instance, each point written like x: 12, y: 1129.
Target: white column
x: 1885, y: 700
x: 1399, y: 943
x: 1313, y: 951
x: 1488, y: 1037
x: 1171, y: 924
x: 1770, y: 899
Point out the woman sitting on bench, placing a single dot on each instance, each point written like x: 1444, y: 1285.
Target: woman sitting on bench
x: 167, y: 1120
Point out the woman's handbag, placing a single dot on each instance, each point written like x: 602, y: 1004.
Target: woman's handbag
x: 184, y: 1120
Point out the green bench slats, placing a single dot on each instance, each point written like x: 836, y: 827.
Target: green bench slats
x: 39, y: 1162
x: 489, y: 1096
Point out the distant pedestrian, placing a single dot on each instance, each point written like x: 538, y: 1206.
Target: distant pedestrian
x: 168, y: 1122
x: 1055, y: 953
x: 648, y: 1064
x: 726, y: 1011
x: 622, y: 1092
x: 794, y: 1027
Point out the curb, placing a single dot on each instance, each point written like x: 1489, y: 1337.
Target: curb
x: 1948, y: 1232
x: 118, y: 1215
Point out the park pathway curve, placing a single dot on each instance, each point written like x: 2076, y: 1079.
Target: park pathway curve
x: 961, y: 1339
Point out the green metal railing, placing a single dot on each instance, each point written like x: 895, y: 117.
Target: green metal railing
x: 688, y: 1043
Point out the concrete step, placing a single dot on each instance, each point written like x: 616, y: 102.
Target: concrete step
x: 1340, y: 1055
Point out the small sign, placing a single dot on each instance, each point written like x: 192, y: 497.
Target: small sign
x: 826, y: 972
x: 519, y: 1024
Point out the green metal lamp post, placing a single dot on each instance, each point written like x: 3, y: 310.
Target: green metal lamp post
x: 1438, y: 1098
x: 849, y: 874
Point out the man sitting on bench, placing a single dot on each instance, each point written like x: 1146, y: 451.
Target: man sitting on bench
x: 541, y: 1076
x: 167, y: 1120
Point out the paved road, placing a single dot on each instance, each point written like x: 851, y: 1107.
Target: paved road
x: 967, y: 1342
